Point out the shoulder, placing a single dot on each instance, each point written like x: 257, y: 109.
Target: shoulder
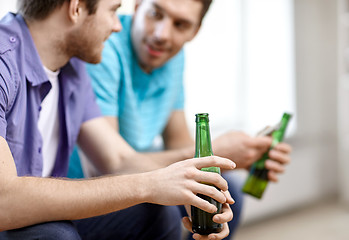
x: 10, y: 33
x: 10, y: 42
x: 177, y: 62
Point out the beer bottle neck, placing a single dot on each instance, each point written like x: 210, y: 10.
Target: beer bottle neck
x: 203, y: 146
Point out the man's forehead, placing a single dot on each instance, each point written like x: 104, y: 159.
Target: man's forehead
x: 110, y: 2
x: 189, y: 10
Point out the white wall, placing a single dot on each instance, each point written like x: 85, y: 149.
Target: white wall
x: 313, y: 173
x: 243, y: 62
x: 343, y: 99
x: 6, y: 5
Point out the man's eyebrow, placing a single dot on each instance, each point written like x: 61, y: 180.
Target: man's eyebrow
x: 116, y: 6
x: 158, y: 7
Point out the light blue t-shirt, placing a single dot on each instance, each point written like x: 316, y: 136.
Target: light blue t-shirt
x: 142, y: 102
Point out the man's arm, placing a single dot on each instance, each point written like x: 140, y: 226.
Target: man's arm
x: 237, y: 146
x: 176, y: 133
x: 29, y: 200
x: 110, y: 153
x: 244, y: 150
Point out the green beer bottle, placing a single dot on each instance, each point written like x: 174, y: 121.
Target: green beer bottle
x: 201, y: 220
x: 258, y: 177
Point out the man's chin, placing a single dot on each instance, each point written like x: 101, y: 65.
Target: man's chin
x: 93, y: 59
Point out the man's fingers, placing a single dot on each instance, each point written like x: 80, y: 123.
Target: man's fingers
x: 225, y: 216
x: 221, y: 235
x: 283, y: 147
x: 214, y: 161
x: 262, y: 143
x: 213, y: 179
x: 272, y: 176
x: 274, y: 166
x: 280, y: 157
x: 203, y: 204
x: 230, y: 200
x: 187, y: 223
x: 211, y: 191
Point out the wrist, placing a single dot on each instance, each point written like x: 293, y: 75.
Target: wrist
x: 144, y: 187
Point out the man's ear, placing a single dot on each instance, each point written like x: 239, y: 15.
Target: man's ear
x: 74, y: 10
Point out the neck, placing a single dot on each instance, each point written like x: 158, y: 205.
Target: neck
x: 146, y: 69
x: 49, y: 39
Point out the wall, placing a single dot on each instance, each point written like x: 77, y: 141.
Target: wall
x: 313, y: 173
x: 6, y: 6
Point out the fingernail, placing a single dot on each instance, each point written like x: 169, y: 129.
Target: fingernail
x: 233, y: 165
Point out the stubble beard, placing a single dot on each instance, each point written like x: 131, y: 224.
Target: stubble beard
x: 83, y: 45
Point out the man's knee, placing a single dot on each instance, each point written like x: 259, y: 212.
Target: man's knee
x: 161, y: 216
x: 165, y: 221
x: 45, y: 231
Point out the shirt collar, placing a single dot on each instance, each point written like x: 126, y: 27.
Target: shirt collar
x: 33, y: 68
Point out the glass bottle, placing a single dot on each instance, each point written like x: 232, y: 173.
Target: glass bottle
x: 201, y: 220
x: 257, y: 179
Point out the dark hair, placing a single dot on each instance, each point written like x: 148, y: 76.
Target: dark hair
x: 205, y: 6
x: 40, y: 9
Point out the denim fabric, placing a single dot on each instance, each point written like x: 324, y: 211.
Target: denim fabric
x: 140, y: 222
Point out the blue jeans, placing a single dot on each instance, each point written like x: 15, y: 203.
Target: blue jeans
x: 141, y: 222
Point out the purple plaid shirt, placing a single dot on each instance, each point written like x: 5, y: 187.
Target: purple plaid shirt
x: 24, y: 85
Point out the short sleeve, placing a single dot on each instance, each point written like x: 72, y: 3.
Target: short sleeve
x: 3, y: 104
x: 106, y: 79
x: 91, y: 108
x: 5, y: 91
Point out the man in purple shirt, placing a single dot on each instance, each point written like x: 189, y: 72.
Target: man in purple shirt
x: 46, y: 105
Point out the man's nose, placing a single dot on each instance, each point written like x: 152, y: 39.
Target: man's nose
x: 117, y: 27
x: 163, y: 30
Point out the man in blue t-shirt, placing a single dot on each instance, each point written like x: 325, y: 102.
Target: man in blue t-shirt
x: 139, y: 87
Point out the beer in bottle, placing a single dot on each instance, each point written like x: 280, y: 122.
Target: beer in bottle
x: 258, y: 177
x: 201, y: 220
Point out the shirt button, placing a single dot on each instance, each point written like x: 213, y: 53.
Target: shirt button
x: 39, y: 150
x: 12, y: 39
x: 40, y: 108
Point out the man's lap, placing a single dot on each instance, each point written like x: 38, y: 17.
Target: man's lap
x: 144, y: 221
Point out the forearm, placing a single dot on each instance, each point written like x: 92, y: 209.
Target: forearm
x: 29, y: 200
x: 149, y: 161
x: 167, y: 157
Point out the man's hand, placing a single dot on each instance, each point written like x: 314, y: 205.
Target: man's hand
x: 223, y: 218
x: 241, y: 148
x: 244, y: 150
x: 179, y: 183
x: 279, y: 156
